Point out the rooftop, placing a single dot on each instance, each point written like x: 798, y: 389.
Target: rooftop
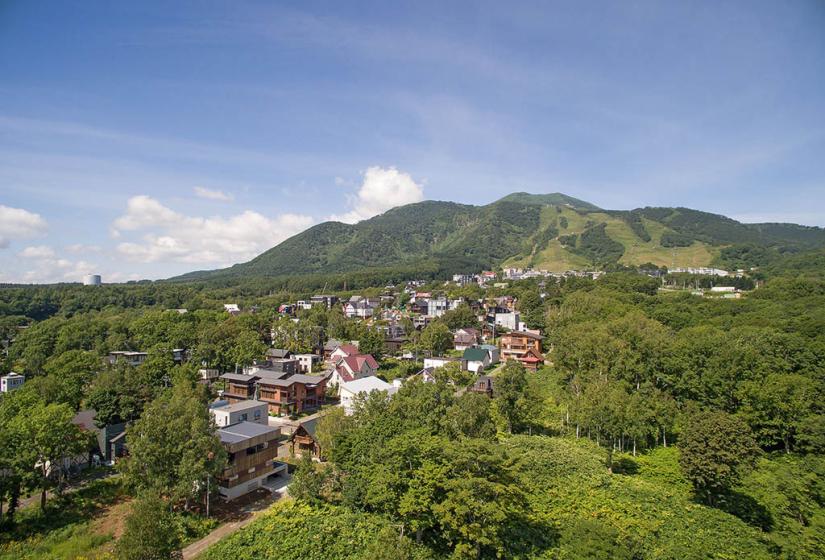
x: 240, y: 406
x: 366, y: 385
x: 241, y: 431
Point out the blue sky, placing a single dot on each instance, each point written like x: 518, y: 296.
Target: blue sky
x: 147, y: 139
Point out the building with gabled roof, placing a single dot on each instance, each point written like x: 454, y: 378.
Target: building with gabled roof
x: 350, y: 390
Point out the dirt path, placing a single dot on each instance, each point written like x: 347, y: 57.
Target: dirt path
x: 250, y: 513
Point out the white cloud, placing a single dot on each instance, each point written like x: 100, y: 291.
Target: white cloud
x: 382, y: 189
x: 173, y: 237
x: 16, y: 223
x: 37, y: 252
x: 210, y: 194
x: 77, y: 248
x: 50, y: 270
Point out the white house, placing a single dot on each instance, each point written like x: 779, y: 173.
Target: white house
x: 510, y: 321
x: 361, y: 309
x: 244, y: 411
x: 352, y: 367
x: 11, y: 382
x: 351, y: 389
x: 477, y: 359
x: 441, y: 361
x: 306, y: 361
x: 436, y: 307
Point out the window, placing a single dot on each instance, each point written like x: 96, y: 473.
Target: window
x: 257, y: 414
x: 243, y: 417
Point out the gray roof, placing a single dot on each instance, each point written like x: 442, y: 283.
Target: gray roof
x: 310, y: 425
x: 307, y: 379
x: 239, y: 377
x: 241, y: 431
x: 277, y: 352
x: 242, y: 405
x: 276, y: 381
x: 267, y: 375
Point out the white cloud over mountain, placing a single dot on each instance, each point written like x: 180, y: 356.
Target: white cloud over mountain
x: 17, y: 223
x: 382, y: 189
x: 169, y: 236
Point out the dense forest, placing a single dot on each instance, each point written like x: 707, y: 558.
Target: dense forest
x: 665, y: 425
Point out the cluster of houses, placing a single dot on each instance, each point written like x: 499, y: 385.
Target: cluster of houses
x: 252, y: 410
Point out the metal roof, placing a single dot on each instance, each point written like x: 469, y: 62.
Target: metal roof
x: 239, y: 406
x: 241, y: 431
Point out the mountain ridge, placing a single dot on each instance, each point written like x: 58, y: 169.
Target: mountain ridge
x: 552, y: 231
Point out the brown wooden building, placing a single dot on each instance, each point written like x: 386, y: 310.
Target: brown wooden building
x: 303, y: 440
x: 524, y: 347
x: 252, y: 450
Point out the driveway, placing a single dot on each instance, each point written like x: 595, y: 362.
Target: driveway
x: 278, y: 488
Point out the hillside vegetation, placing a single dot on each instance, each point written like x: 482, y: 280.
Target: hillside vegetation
x: 551, y: 231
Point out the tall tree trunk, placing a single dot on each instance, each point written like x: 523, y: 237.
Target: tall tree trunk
x: 664, y: 437
x: 634, y: 446
x: 43, y: 499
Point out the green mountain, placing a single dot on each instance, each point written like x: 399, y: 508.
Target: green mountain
x: 547, y: 231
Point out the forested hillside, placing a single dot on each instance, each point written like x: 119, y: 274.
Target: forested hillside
x: 664, y: 425
x: 552, y: 231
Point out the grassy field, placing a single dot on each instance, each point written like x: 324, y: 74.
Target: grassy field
x: 82, y: 524
x: 555, y: 258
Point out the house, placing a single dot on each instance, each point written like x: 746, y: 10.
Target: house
x: 484, y: 385
x: 231, y: 308
x: 465, y: 338
x: 307, y: 361
x: 11, y: 382
x: 477, y: 359
x: 303, y: 440
x: 180, y: 355
x: 352, y: 389
x: 125, y: 357
x: 278, y: 354
x: 510, y: 320
x: 524, y: 347
x: 274, y: 365
x: 209, y: 374
x: 493, y: 351
x: 394, y: 345
x: 244, y: 411
x: 421, y: 321
x: 239, y: 387
x: 343, y: 351
x: 441, y: 361
x: 325, y: 300
x: 436, y: 307
x: 352, y: 367
x: 107, y: 443
x: 293, y: 394
x: 361, y: 309
x: 251, y: 449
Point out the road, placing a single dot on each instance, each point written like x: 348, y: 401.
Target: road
x: 251, y: 512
